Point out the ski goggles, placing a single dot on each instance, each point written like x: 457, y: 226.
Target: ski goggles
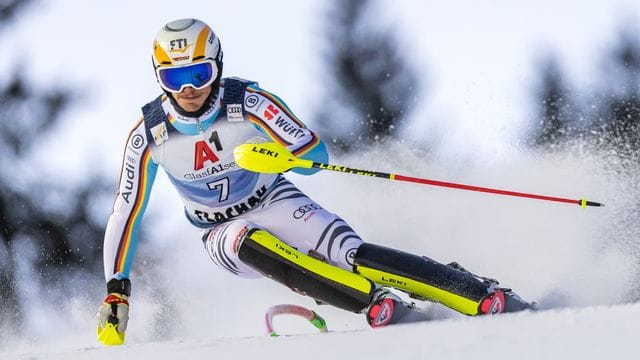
x: 198, y: 76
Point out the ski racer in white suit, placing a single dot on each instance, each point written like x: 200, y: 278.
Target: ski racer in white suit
x: 191, y: 131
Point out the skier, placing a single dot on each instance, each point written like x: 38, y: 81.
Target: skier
x: 257, y: 224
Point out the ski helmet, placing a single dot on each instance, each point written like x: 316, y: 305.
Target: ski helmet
x: 187, y: 52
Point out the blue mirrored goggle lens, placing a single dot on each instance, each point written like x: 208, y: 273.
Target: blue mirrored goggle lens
x: 196, y: 75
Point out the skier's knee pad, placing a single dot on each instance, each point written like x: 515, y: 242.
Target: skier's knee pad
x: 421, y: 276
x: 223, y: 243
x: 305, y: 274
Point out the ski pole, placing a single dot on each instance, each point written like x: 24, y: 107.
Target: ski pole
x: 310, y: 315
x: 274, y: 158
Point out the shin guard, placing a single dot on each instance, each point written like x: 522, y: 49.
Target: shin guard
x: 423, y: 277
x: 304, y: 274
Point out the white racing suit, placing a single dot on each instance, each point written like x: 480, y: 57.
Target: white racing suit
x: 266, y: 221
x: 197, y: 156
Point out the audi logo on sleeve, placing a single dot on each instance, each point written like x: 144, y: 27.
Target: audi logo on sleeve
x: 305, y: 209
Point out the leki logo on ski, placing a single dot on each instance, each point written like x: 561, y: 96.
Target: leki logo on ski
x: 203, y: 154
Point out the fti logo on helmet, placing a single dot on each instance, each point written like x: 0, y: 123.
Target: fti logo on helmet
x: 179, y: 45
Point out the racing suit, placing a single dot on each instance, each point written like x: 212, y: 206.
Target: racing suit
x: 219, y: 196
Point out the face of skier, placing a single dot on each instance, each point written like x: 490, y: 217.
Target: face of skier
x: 191, y: 99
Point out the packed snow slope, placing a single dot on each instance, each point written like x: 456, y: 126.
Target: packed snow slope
x: 603, y: 332
x: 580, y: 265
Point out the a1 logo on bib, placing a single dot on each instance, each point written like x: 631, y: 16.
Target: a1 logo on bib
x: 234, y: 113
x: 202, y: 155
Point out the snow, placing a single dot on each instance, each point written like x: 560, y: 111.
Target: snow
x: 587, y: 333
x: 579, y: 265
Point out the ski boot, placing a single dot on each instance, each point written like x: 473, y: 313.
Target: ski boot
x: 424, y: 278
x: 499, y: 300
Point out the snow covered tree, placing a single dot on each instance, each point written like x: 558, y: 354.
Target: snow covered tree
x: 371, y: 85
x: 609, y: 118
x: 617, y: 121
x: 46, y: 229
x: 554, y: 125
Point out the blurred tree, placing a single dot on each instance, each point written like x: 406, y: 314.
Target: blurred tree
x: 617, y: 119
x: 613, y: 113
x: 556, y: 112
x: 9, y: 8
x: 371, y: 85
x: 619, y: 135
x: 612, y: 128
x: 44, y: 227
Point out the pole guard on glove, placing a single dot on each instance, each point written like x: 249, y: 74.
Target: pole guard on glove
x: 113, y: 315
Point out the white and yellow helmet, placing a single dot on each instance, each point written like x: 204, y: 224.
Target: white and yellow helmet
x: 187, y: 52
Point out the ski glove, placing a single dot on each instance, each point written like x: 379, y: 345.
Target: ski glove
x: 113, y: 315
